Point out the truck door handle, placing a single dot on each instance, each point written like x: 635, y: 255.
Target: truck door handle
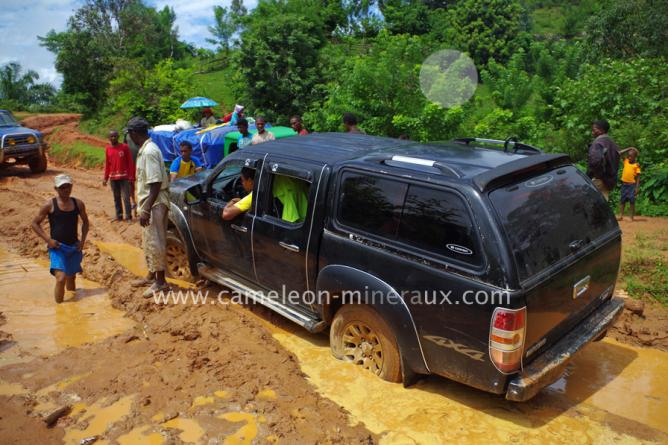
x: 242, y: 229
x: 576, y: 245
x: 290, y: 247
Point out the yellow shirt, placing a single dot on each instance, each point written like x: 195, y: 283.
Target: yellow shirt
x: 630, y: 172
x: 245, y: 203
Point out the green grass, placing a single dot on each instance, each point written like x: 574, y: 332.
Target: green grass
x: 644, y: 271
x: 79, y: 153
x: 101, y: 125
x: 216, y: 85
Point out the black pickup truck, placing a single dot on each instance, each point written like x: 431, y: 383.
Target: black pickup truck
x: 490, y: 267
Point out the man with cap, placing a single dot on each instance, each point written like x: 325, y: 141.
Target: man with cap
x: 152, y: 185
x: 65, y: 247
x: 208, y: 118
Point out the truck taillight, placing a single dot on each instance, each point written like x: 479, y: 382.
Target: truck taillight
x: 506, y: 338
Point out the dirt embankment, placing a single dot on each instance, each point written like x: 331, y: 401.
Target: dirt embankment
x: 175, y: 355
x: 62, y: 129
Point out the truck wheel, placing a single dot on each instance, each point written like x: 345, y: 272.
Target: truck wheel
x: 38, y: 163
x: 178, y: 265
x: 361, y: 336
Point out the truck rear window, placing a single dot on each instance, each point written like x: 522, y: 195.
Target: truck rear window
x: 542, y: 216
x: 430, y: 219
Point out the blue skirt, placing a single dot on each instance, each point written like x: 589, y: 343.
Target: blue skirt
x: 66, y: 258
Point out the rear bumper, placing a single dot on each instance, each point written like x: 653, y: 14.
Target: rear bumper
x: 549, y: 366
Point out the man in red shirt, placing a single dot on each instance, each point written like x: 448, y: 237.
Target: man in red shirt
x: 120, y: 169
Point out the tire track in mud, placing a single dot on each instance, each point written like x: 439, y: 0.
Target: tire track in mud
x: 174, y: 356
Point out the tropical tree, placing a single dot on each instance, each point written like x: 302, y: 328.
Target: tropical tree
x: 20, y: 88
x: 102, y: 36
x: 279, y: 64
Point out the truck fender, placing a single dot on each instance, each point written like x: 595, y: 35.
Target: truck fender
x: 341, y: 284
x: 178, y: 220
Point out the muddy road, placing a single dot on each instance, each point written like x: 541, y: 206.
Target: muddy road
x: 130, y: 371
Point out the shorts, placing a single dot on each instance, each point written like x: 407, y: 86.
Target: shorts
x: 66, y: 258
x: 628, y: 193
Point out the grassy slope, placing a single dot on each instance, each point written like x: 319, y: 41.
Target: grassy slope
x: 215, y: 85
x: 79, y: 154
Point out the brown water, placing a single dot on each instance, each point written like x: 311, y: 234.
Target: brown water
x: 38, y: 325
x: 612, y: 393
x: 132, y: 258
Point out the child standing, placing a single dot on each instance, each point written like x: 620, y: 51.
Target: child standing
x: 630, y: 182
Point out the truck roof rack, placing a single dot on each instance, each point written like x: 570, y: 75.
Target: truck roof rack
x: 416, y: 163
x: 510, y: 142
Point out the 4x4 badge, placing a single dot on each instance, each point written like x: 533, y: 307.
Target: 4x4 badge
x: 459, y: 249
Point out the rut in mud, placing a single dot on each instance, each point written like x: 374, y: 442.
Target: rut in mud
x: 217, y: 370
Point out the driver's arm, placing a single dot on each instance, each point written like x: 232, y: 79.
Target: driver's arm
x: 231, y: 211
x: 237, y: 206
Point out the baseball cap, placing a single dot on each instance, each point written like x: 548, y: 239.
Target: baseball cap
x: 137, y: 124
x: 61, y: 180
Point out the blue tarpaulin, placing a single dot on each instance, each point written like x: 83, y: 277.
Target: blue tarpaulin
x: 209, y: 146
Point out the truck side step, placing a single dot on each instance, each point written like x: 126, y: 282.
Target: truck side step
x: 307, y: 321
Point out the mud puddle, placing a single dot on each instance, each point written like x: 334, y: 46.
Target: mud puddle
x: 178, y: 374
x: 132, y: 258
x: 40, y: 327
x: 612, y: 392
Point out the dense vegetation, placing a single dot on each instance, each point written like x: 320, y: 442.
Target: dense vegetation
x: 547, y: 68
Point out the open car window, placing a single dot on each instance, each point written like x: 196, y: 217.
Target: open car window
x: 289, y: 199
x: 226, y: 184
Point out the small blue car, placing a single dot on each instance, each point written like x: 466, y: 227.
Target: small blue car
x: 20, y: 145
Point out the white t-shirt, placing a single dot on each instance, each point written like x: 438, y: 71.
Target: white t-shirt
x: 151, y: 169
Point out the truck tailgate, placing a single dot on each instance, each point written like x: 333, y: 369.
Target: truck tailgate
x: 566, y: 245
x: 560, y: 302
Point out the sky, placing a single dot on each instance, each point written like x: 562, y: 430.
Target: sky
x: 21, y: 21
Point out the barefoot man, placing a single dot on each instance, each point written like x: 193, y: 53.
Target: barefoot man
x: 65, y: 249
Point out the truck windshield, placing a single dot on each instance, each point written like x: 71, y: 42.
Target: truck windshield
x: 7, y: 120
x: 544, y: 215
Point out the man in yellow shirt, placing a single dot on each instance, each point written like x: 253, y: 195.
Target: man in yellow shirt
x: 237, y: 206
x: 186, y: 164
x: 630, y: 182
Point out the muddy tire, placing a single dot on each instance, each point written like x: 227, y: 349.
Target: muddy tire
x: 38, y: 163
x: 178, y: 264
x: 361, y: 336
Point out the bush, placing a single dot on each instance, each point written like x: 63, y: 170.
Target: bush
x: 631, y: 94
x: 155, y: 94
